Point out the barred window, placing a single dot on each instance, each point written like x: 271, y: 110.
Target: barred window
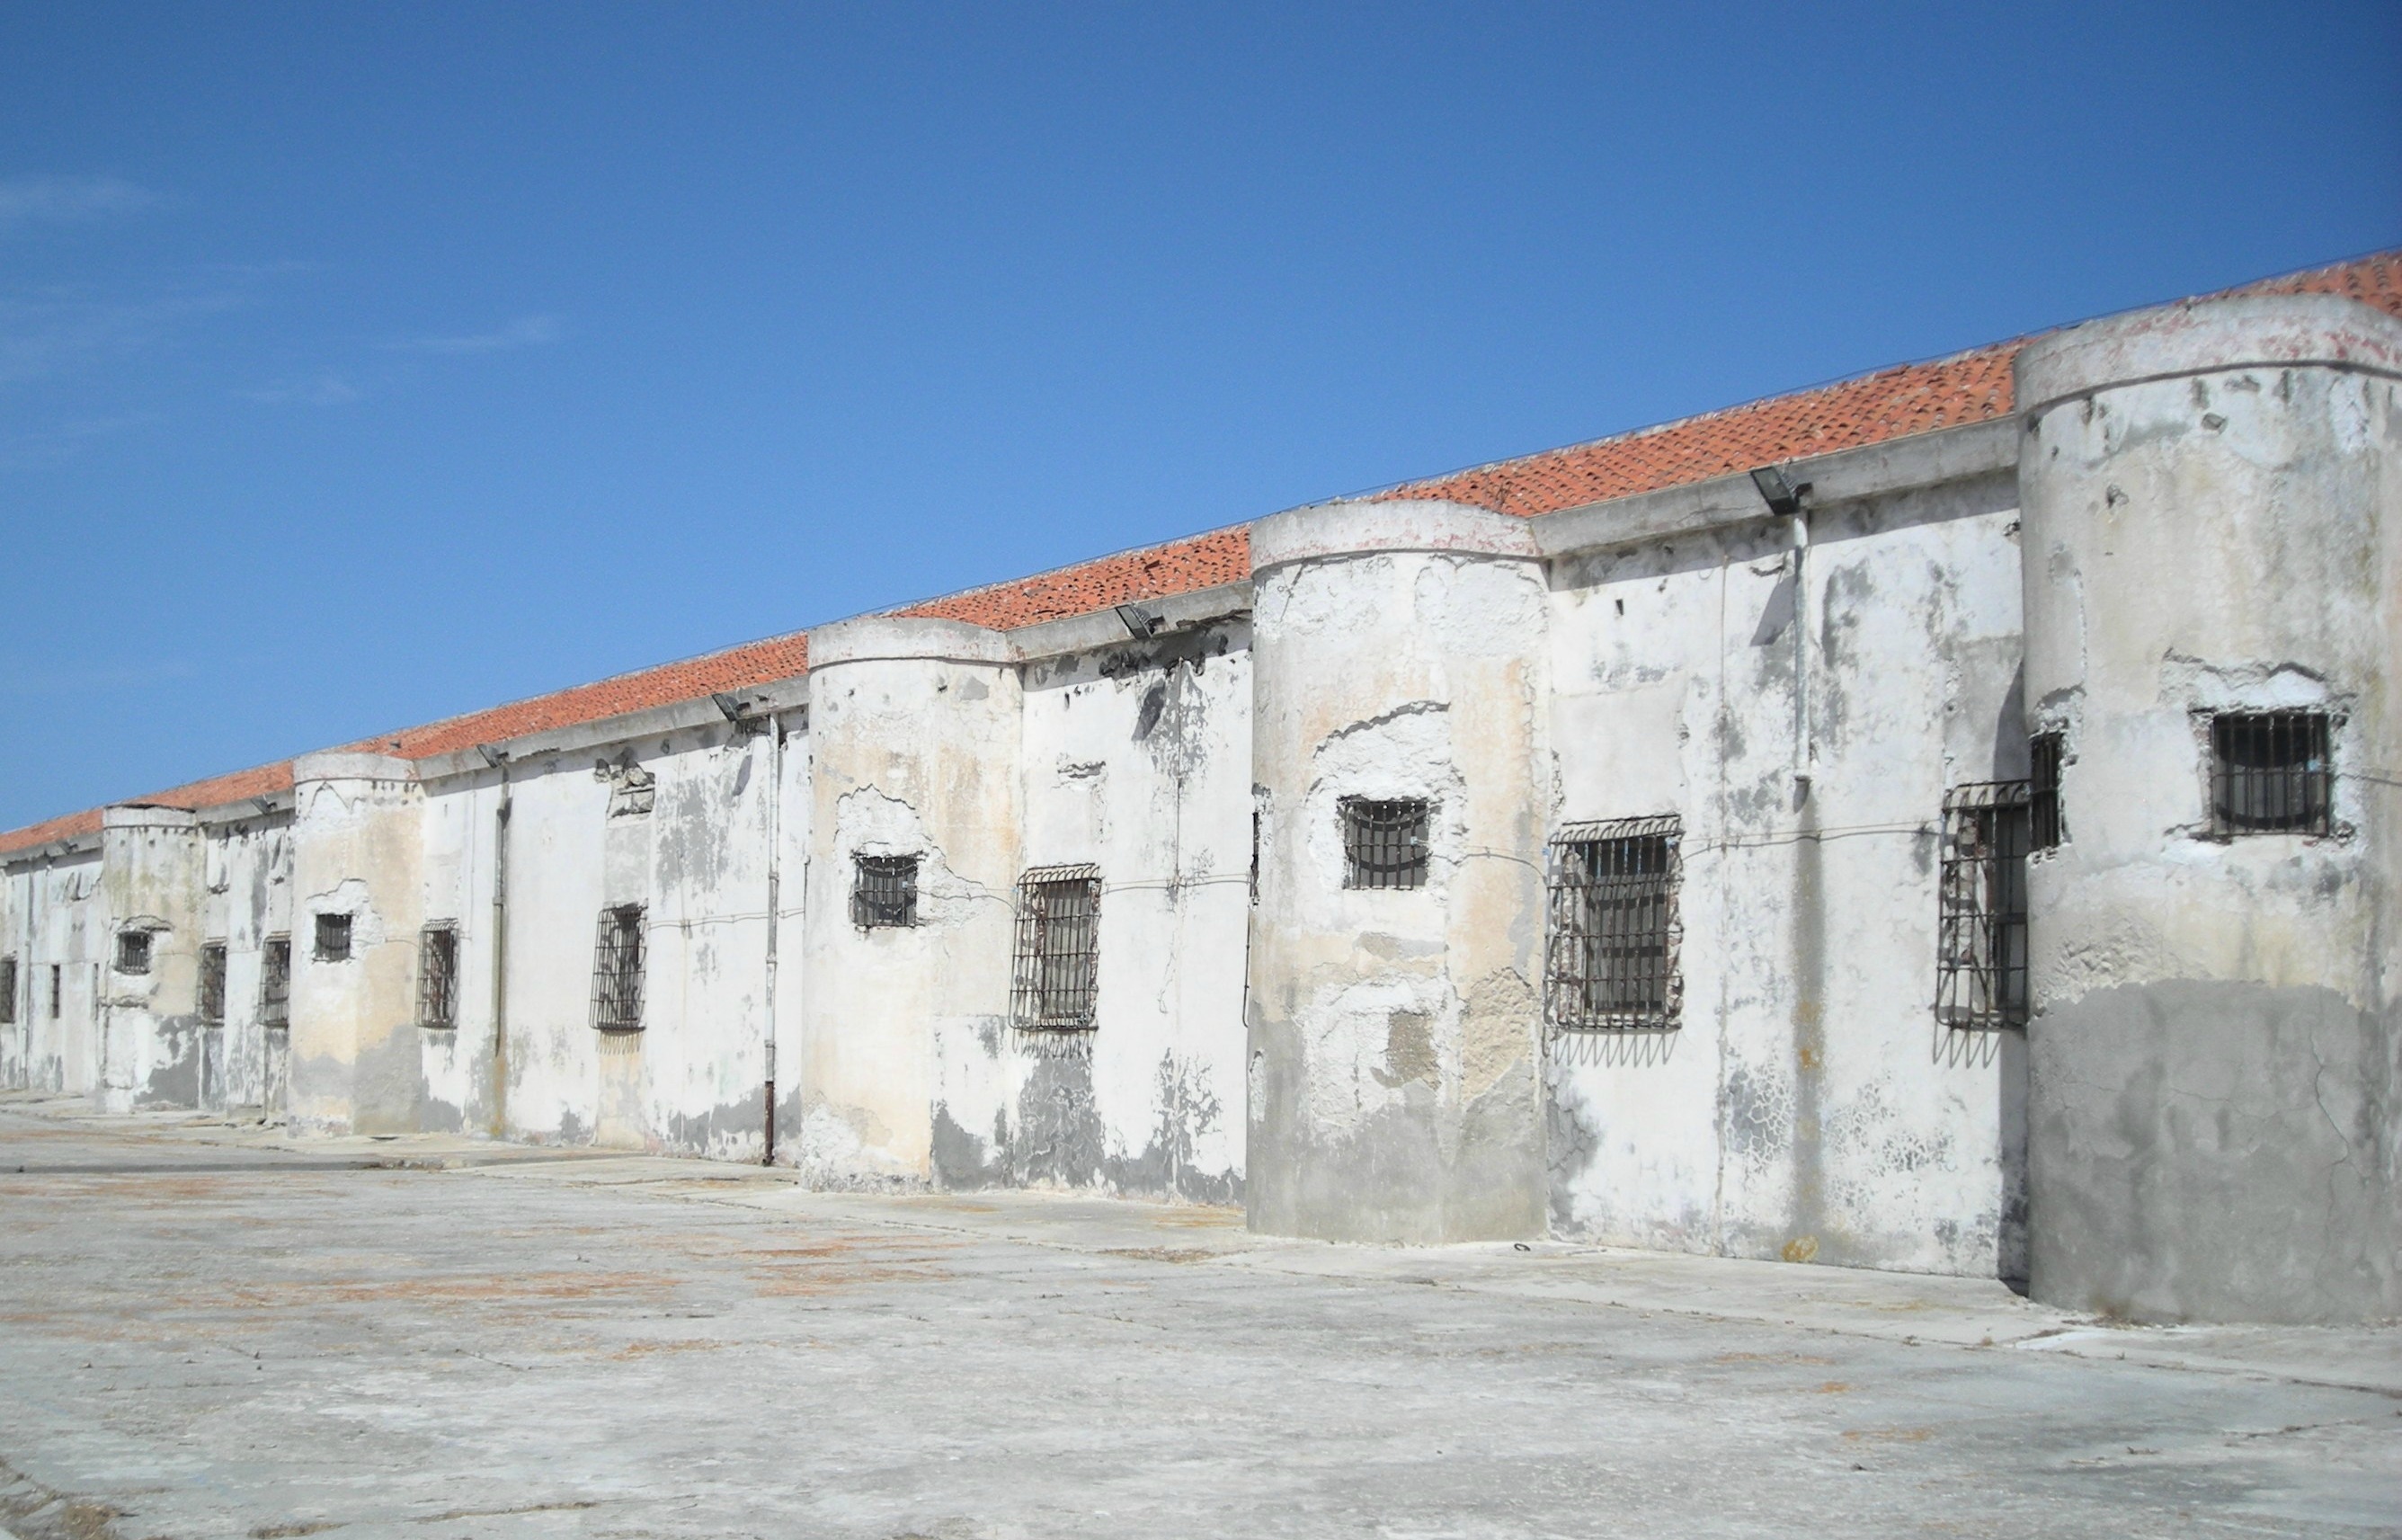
x: 133, y: 952
x: 1610, y: 961
x: 213, y: 983
x: 275, y: 982
x: 1980, y: 976
x: 333, y: 939
x: 2270, y: 773
x: 2045, y: 830
x: 55, y: 973
x: 618, y: 970
x: 1384, y: 844
x: 7, y: 991
x: 884, y: 892
x: 437, y: 977
x: 1057, y: 974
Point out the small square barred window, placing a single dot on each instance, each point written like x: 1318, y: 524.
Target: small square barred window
x: 1981, y: 966
x: 7, y: 991
x: 213, y: 983
x: 2270, y: 773
x: 618, y: 970
x: 133, y: 952
x: 2045, y: 828
x: 1610, y: 961
x: 275, y: 982
x: 437, y: 977
x: 333, y: 939
x: 1384, y: 844
x: 884, y: 892
x: 1056, y: 981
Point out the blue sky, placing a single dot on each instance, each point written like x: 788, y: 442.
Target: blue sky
x: 363, y: 365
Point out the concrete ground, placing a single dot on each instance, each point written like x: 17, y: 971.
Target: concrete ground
x: 210, y: 1331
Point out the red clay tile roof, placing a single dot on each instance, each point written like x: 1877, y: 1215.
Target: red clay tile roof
x: 1969, y: 387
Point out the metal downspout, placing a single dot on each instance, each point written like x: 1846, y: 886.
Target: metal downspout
x: 775, y: 866
x: 499, y: 1097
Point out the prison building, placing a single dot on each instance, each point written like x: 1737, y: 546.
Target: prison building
x: 1945, y: 821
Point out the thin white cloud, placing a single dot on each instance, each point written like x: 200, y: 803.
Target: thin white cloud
x: 526, y: 331
x: 324, y: 390
x: 54, y: 332
x: 29, y: 200
x: 66, y: 438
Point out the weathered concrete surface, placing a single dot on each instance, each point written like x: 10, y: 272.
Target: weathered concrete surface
x: 216, y: 1339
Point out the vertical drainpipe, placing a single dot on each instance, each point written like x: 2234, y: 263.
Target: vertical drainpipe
x: 775, y: 862
x: 499, y: 759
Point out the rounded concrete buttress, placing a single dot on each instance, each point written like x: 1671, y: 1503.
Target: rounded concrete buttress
x: 1395, y: 1086
x: 357, y: 850
x: 914, y: 732
x: 150, y: 875
x: 2212, y: 525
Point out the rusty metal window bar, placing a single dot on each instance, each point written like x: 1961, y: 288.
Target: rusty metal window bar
x: 1981, y: 966
x: 7, y: 991
x: 275, y: 982
x: 1056, y: 981
x: 2045, y: 827
x: 133, y: 952
x: 333, y: 939
x: 884, y: 892
x: 2270, y: 773
x: 1384, y: 843
x: 437, y: 977
x: 1611, y: 954
x: 213, y: 983
x: 618, y: 970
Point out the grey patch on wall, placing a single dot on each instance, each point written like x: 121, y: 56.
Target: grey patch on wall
x: 175, y: 1082
x: 727, y: 1131
x: 1571, y: 1140
x: 436, y: 1116
x: 1057, y: 1138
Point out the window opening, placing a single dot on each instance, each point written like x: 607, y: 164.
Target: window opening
x: 1057, y: 982
x: 55, y: 971
x: 7, y: 990
x: 2270, y: 773
x: 2045, y: 830
x: 1384, y: 843
x: 618, y: 970
x: 333, y: 939
x: 1612, y: 959
x: 275, y: 982
x: 1980, y: 980
x: 437, y: 977
x: 213, y: 983
x: 884, y: 892
x: 133, y: 952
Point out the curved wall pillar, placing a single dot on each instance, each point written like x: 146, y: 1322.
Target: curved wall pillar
x: 357, y: 850
x: 1395, y: 1054
x: 151, y: 1042
x: 913, y: 730
x: 2212, y: 524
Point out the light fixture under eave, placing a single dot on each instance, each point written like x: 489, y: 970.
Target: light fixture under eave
x: 1783, y: 497
x: 1140, y: 622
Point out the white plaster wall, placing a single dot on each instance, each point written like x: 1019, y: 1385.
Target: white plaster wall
x: 1810, y: 1107
x: 1135, y: 759
x: 247, y: 896
x: 67, y: 923
x: 150, y: 1038
x: 357, y: 849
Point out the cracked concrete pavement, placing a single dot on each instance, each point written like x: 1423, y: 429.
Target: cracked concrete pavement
x: 216, y: 1331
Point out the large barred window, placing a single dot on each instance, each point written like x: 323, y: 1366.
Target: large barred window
x: 1057, y: 976
x: 1384, y: 844
x: 213, y: 983
x: 1611, y: 955
x: 884, y: 892
x: 2270, y: 773
x: 275, y: 982
x: 1981, y: 978
x: 618, y: 970
x: 437, y: 977
x: 7, y: 990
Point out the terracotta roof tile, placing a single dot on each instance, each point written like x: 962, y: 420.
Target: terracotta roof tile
x: 1892, y: 403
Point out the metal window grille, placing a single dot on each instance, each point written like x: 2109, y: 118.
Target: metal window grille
x: 1980, y: 971
x: 2045, y: 830
x: 884, y: 892
x: 213, y: 983
x: 2270, y: 773
x: 55, y: 972
x: 1610, y: 961
x: 1056, y: 981
x: 7, y: 991
x: 618, y: 970
x: 333, y: 939
x: 1384, y: 844
x: 133, y: 952
x: 275, y: 982
x: 437, y: 977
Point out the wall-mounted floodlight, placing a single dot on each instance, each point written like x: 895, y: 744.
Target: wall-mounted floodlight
x: 1783, y: 497
x: 1140, y: 622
